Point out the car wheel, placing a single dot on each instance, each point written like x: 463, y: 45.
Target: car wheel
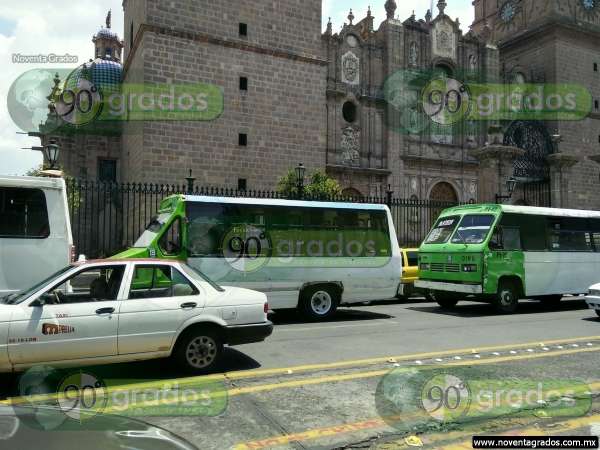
x: 199, y: 350
x: 507, y: 298
x: 446, y: 300
x: 319, y: 302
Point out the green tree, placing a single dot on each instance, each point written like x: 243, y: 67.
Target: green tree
x: 320, y: 185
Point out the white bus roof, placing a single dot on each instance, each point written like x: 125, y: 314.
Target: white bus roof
x: 280, y: 202
x: 32, y: 182
x: 529, y: 210
x: 556, y: 212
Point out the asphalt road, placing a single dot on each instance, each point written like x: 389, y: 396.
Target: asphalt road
x: 365, y: 380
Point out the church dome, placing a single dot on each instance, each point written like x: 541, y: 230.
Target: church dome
x: 106, y: 74
x: 106, y: 33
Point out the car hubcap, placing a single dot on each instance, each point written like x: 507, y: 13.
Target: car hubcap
x: 321, y: 302
x: 201, y: 352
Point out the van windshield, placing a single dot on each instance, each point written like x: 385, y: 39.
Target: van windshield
x: 152, y: 230
x: 473, y: 229
x: 442, y: 230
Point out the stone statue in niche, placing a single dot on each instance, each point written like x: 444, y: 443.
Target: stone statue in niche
x: 473, y: 62
x: 350, y: 68
x: 350, y: 146
x: 413, y: 54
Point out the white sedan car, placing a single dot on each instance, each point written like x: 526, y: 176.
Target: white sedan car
x: 111, y: 311
x: 593, y: 298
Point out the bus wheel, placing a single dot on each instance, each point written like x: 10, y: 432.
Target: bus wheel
x: 446, y: 300
x: 507, y: 298
x: 318, y: 302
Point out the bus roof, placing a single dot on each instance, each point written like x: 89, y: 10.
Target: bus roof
x: 529, y: 210
x: 32, y: 182
x: 282, y: 202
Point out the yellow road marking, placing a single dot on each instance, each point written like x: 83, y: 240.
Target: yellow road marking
x: 352, y: 427
x: 361, y: 375
x: 335, y: 378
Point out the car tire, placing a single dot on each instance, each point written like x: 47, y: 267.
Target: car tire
x: 319, y: 302
x: 446, y: 300
x: 199, y: 350
x: 507, y: 298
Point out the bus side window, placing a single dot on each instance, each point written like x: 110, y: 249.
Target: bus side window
x: 511, y: 238
x: 170, y: 242
x: 496, y: 239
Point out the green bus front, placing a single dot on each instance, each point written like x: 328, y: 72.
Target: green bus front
x: 462, y: 256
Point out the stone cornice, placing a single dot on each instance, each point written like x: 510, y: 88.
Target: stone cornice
x: 226, y: 43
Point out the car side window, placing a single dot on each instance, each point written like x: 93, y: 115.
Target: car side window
x: 91, y: 285
x: 159, y: 282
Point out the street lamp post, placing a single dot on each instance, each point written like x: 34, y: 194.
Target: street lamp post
x: 511, y: 185
x: 190, y: 183
x: 51, y: 152
x: 300, y: 172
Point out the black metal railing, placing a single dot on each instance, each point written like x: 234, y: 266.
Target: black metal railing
x: 109, y: 217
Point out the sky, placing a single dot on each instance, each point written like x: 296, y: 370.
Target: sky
x: 32, y: 27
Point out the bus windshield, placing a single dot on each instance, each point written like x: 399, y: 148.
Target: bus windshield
x: 473, y: 229
x: 442, y: 230
x: 152, y: 230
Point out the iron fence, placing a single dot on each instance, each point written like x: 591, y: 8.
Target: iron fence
x: 109, y: 217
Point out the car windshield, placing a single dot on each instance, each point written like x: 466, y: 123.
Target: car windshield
x: 18, y: 297
x: 151, y: 231
x: 442, y: 230
x: 473, y: 229
x: 195, y: 273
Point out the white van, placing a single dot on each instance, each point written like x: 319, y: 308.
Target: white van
x: 35, y: 231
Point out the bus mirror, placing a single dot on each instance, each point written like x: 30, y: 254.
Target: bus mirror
x: 496, y: 240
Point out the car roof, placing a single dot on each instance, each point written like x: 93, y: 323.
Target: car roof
x: 161, y: 262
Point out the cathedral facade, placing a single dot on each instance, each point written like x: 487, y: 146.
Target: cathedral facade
x: 350, y: 102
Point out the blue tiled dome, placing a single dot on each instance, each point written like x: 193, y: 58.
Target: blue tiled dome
x: 104, y: 73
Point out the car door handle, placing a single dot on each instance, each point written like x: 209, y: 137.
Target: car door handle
x: 105, y: 311
x: 190, y: 305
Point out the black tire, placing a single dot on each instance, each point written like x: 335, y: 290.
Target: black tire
x: 446, y: 300
x: 199, y: 350
x: 507, y: 298
x: 319, y: 302
x: 598, y: 312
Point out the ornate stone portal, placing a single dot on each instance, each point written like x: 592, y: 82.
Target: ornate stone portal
x: 350, y: 146
x: 350, y: 69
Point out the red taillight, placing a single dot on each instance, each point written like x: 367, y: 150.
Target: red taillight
x: 266, y: 308
x: 72, y: 255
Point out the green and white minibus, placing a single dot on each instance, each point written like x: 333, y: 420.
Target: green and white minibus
x: 312, y: 256
x: 502, y: 253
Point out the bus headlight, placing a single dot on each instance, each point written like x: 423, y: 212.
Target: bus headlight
x: 425, y: 266
x: 469, y: 267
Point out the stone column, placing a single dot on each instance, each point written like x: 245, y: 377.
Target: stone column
x: 560, y: 176
x: 495, y: 167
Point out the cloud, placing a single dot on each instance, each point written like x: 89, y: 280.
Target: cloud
x: 42, y: 27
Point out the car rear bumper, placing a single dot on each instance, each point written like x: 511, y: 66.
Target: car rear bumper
x: 593, y: 302
x: 450, y: 287
x: 247, y: 334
